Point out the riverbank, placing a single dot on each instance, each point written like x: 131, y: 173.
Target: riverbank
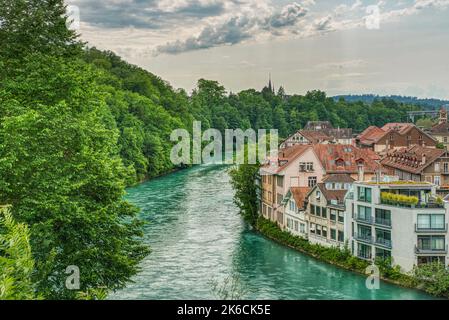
x: 341, y: 258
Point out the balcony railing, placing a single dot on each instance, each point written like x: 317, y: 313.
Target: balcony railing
x: 367, y: 220
x: 427, y: 229
x: 430, y: 250
x: 364, y: 255
x: 364, y: 238
x: 383, y: 222
x: 383, y: 242
x: 420, y: 205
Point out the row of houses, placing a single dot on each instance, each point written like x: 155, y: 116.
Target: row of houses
x: 379, y: 196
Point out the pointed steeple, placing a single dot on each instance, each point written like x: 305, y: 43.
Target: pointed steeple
x: 270, y: 86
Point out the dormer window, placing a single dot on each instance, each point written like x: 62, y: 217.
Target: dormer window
x: 340, y: 162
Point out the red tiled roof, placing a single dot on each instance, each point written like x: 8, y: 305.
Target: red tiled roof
x: 315, y: 136
x: 345, y: 158
x: 440, y: 128
x: 337, y: 195
x: 339, y: 178
x: 371, y: 135
x: 285, y: 157
x: 396, y: 126
x: 299, y: 194
x: 413, y: 159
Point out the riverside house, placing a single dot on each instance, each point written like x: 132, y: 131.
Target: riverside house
x: 297, y: 166
x: 393, y: 136
x: 440, y: 131
x: 306, y: 166
x: 402, y: 220
x: 294, y: 211
x: 420, y: 164
x: 325, y: 213
x: 319, y: 132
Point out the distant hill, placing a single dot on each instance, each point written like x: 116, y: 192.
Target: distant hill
x: 369, y: 98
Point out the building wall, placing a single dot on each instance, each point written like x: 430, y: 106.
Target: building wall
x: 415, y: 136
x: 295, y: 221
x: 404, y: 237
x: 314, y: 220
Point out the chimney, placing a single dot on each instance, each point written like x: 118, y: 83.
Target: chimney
x: 361, y: 172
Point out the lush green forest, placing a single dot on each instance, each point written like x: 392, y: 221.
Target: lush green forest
x: 78, y: 125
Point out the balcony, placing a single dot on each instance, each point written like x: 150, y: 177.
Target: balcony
x: 364, y: 255
x: 365, y: 220
x: 383, y: 222
x: 430, y: 250
x: 364, y: 238
x: 383, y: 242
x: 419, y: 205
x: 427, y: 229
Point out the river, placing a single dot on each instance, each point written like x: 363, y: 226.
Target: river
x: 197, y: 238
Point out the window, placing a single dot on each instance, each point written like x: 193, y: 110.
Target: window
x: 318, y: 230
x: 363, y: 232
x: 333, y: 234
x: 289, y: 223
x: 302, y: 228
x: 364, y: 213
x: 306, y: 166
x: 437, y: 180
x: 445, y: 139
x: 292, y: 205
x: 431, y: 243
x: 296, y: 226
x: 279, y: 197
x: 333, y: 215
x: 383, y: 237
x: 312, y: 228
x: 318, y: 211
x: 324, y: 212
x: 341, y: 216
x: 270, y: 196
x: 280, y: 181
x: 312, y: 182
x: 437, y: 167
x: 324, y: 232
x: 431, y: 222
x: 383, y: 217
x: 383, y: 254
x: 446, y: 167
x: 341, y: 236
x: 364, y: 251
x: 318, y: 195
x: 364, y: 194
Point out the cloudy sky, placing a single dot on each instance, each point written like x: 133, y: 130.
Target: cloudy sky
x: 340, y: 46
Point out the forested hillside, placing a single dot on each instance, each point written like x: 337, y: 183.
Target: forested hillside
x: 78, y: 125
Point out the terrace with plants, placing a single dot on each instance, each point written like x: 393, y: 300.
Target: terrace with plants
x: 411, y: 199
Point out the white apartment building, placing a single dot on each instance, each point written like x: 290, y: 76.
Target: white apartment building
x: 402, y: 220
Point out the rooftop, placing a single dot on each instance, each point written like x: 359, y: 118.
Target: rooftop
x: 413, y: 159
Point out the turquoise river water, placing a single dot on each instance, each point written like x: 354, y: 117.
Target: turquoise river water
x: 197, y: 237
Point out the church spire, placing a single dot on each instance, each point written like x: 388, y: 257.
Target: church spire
x: 270, y: 86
